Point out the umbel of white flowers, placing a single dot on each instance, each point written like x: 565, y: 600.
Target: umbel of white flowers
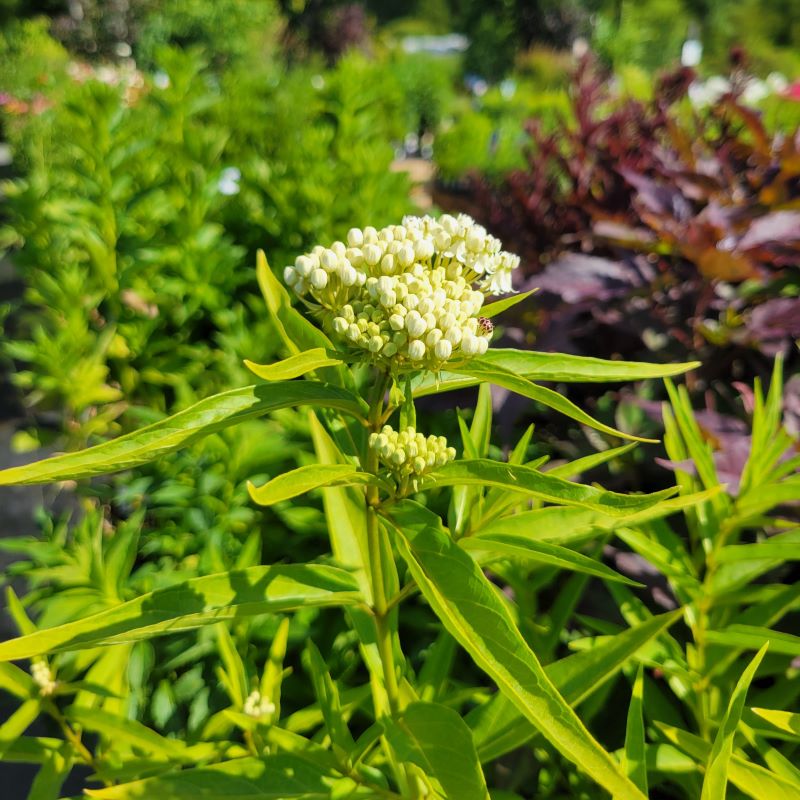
x: 408, y: 295
x: 257, y: 706
x: 408, y: 453
x: 43, y: 678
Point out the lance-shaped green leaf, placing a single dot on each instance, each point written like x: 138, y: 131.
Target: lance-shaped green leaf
x: 294, y: 366
x: 499, y: 306
x: 50, y: 778
x: 487, y: 548
x: 304, y: 479
x: 438, y: 741
x: 754, y: 637
x: 783, y: 720
x: 566, y: 524
x: 558, y: 367
x: 754, y: 780
x: 194, y: 603
x: 327, y: 693
x: 130, y: 732
x: 469, y: 608
x: 491, y: 373
x: 716, y: 779
x: 518, y: 478
x: 499, y: 726
x: 634, y: 760
x: 18, y: 723
x: 276, y: 777
x: 203, y: 418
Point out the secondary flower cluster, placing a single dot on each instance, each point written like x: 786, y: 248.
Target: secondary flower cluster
x: 408, y: 453
x: 43, y: 678
x: 409, y: 295
x: 257, y: 706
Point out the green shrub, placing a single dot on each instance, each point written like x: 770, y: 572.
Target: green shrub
x: 462, y: 637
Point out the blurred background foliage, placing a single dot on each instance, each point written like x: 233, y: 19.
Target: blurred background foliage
x: 154, y: 145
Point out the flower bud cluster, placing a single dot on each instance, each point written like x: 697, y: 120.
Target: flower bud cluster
x: 408, y: 453
x: 257, y: 706
x: 43, y: 678
x: 409, y: 295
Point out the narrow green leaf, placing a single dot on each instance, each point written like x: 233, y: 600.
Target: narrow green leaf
x: 294, y: 366
x: 754, y: 780
x: 438, y: 741
x: 18, y: 723
x: 499, y: 726
x: 573, y: 469
x: 208, y: 416
x: 278, y: 777
x: 486, y: 548
x: 120, y: 730
x: 783, y: 720
x: 716, y: 779
x: 327, y: 694
x: 50, y: 778
x: 272, y: 677
x: 304, y: 479
x: 17, y: 682
x: 635, y: 763
x: 499, y: 306
x: 557, y: 367
x: 194, y: 603
x: 492, y: 373
x: 753, y: 637
x: 232, y: 668
x: 529, y: 481
x: 778, y: 551
x: 345, y: 514
x: 468, y: 606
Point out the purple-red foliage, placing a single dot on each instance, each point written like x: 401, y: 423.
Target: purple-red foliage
x: 641, y: 220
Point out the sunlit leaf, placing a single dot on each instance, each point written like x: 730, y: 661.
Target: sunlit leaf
x: 294, y: 366
x: 468, y: 606
x: 194, y: 603
x: 716, y: 779
x: 304, y: 479
x: 483, y: 472
x: 207, y: 416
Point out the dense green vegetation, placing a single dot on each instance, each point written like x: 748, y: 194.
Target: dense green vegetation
x: 497, y: 625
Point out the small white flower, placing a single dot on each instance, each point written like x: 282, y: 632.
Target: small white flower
x: 257, y: 706
x: 43, y: 678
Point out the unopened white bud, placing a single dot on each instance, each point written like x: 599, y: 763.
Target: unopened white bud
x: 443, y: 350
x: 355, y: 238
x: 329, y: 261
x: 304, y: 266
x: 319, y: 279
x: 372, y: 254
x: 416, y: 350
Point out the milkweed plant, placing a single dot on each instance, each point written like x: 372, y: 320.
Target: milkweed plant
x: 391, y: 316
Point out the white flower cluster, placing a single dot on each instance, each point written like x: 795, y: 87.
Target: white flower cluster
x: 410, y: 295
x: 257, y: 706
x: 408, y: 453
x: 43, y: 678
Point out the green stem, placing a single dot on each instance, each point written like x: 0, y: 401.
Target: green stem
x: 381, y: 609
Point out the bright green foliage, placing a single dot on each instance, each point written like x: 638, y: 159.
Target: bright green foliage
x: 294, y: 662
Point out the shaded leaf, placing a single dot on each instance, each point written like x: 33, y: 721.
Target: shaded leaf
x: 438, y: 741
